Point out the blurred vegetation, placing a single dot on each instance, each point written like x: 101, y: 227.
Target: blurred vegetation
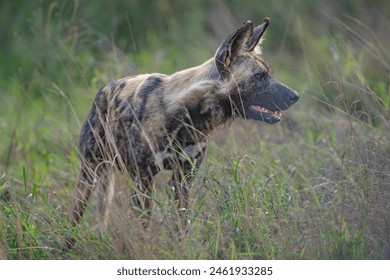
x: 315, y: 186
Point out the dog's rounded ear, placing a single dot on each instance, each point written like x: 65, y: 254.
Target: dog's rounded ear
x: 258, y: 33
x: 234, y: 45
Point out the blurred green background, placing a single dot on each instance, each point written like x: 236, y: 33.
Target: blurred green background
x: 330, y: 154
x: 66, y: 41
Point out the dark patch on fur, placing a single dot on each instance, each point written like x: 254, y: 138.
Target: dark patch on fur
x: 149, y: 88
x: 122, y: 85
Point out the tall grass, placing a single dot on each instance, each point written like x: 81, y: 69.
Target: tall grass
x: 315, y: 186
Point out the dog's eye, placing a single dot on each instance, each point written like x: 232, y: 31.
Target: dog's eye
x: 260, y: 76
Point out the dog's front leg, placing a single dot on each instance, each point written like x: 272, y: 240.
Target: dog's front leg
x: 180, y: 183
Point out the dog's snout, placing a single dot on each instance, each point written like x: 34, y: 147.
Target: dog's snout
x: 294, y: 96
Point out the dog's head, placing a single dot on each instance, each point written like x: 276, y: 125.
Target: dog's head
x: 254, y: 93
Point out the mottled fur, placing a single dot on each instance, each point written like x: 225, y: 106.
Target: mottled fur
x: 142, y: 124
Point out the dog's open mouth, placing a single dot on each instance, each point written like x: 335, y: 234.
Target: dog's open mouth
x: 266, y: 115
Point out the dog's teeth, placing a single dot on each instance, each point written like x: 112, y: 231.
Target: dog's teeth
x: 264, y: 110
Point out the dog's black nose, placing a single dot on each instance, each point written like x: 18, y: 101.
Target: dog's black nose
x: 294, y: 96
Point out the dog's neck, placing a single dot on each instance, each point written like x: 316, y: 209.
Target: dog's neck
x: 187, y: 77
x: 200, y: 90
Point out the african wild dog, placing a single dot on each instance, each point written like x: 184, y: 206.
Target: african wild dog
x: 142, y: 124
